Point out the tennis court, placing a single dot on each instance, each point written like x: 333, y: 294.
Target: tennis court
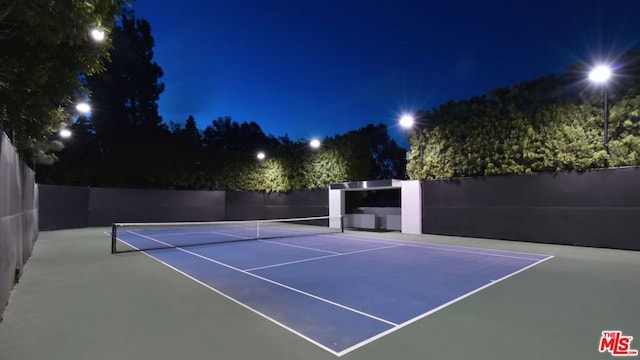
x: 337, y: 291
x: 356, y: 295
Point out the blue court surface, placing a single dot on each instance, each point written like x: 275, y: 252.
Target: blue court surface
x: 338, y: 291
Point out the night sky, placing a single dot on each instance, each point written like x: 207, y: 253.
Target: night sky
x: 323, y: 67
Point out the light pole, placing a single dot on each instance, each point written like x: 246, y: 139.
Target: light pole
x: 600, y: 75
x: 407, y: 121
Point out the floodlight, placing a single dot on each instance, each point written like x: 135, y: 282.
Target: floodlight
x: 97, y: 34
x: 600, y: 74
x: 315, y: 143
x: 65, y: 133
x: 83, y: 108
x: 406, y: 121
x: 261, y: 155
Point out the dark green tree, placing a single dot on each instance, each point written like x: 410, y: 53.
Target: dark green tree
x: 549, y: 124
x: 624, y: 146
x: 79, y: 160
x: 387, y: 159
x: 44, y: 48
x: 186, y: 156
x: 129, y: 142
x: 129, y: 130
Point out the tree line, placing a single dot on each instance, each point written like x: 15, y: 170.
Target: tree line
x: 221, y: 157
x: 554, y: 123
x: 125, y: 143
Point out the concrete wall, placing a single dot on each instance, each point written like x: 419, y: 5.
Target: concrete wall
x: 336, y: 207
x: 412, y: 207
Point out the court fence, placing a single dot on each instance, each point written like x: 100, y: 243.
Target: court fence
x: 18, y: 216
x: 596, y: 208
x: 66, y: 207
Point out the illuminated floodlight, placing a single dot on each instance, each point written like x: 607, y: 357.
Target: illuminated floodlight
x: 315, y: 143
x: 600, y: 74
x: 97, y: 34
x: 261, y: 155
x: 406, y: 121
x: 65, y: 133
x: 83, y: 108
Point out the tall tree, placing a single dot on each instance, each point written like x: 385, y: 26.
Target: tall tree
x: 225, y: 137
x: 128, y: 128
x: 186, y: 156
x: 188, y: 139
x: 79, y: 160
x: 388, y: 160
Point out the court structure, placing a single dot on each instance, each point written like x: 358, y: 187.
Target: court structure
x: 302, y: 289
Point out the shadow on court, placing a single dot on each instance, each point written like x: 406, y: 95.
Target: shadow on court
x: 77, y: 301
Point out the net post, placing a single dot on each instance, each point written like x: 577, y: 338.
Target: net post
x: 341, y: 223
x: 113, y: 238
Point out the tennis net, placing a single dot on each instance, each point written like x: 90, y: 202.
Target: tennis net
x: 129, y: 237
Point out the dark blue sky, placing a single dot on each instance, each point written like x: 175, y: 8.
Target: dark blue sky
x: 323, y: 67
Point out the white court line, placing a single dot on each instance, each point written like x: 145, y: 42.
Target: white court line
x: 234, y: 300
x: 422, y: 316
x: 233, y: 235
x: 274, y: 282
x: 442, y: 247
x: 189, y: 233
x: 320, y: 257
x: 201, y: 232
x: 298, y: 246
x: 218, y: 232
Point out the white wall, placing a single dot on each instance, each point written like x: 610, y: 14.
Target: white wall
x: 411, y: 207
x: 411, y: 199
x: 336, y: 207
